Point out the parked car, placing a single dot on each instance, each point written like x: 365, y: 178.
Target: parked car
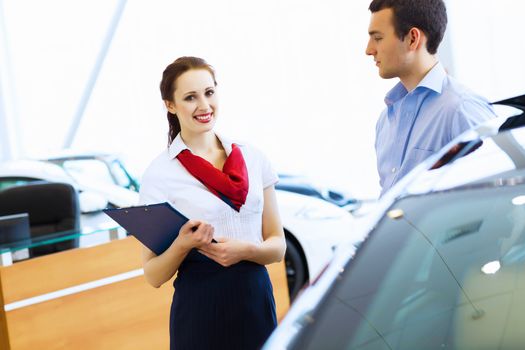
x: 305, y: 218
x: 104, y: 167
x: 92, y: 198
x: 304, y: 185
x: 443, y: 262
x: 109, y: 168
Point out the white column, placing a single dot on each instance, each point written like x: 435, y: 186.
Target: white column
x: 446, y: 49
x: 9, y: 137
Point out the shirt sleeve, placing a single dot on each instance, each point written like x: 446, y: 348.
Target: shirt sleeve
x: 470, y: 113
x: 269, y: 175
x: 150, y: 191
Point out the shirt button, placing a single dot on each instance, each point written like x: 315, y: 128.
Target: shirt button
x: 393, y: 170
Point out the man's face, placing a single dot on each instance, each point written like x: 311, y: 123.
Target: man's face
x: 390, y: 53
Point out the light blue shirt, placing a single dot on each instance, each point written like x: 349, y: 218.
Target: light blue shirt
x: 418, y: 123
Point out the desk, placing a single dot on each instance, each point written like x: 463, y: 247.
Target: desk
x: 92, y: 298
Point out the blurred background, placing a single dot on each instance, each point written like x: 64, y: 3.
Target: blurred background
x: 293, y: 77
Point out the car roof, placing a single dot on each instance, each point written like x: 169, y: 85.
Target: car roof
x: 71, y: 154
x: 34, y: 169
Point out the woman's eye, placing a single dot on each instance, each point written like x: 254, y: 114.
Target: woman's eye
x: 210, y: 92
x: 189, y: 98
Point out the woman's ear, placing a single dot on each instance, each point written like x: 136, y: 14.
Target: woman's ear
x: 170, y: 106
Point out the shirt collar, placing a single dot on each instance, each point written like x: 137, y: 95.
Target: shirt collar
x: 433, y: 80
x: 178, y: 145
x: 398, y: 92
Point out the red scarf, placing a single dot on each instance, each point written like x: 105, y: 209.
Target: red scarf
x: 230, y: 184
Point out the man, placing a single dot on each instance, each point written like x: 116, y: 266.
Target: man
x: 427, y: 108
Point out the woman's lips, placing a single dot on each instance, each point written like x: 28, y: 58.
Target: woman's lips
x: 203, y: 118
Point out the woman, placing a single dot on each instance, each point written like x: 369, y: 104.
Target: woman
x: 223, y: 296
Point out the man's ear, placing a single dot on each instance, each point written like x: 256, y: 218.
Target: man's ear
x: 170, y: 106
x: 416, y: 38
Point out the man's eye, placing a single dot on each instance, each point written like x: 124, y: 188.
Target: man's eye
x: 377, y: 38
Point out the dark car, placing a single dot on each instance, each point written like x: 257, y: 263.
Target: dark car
x: 442, y: 265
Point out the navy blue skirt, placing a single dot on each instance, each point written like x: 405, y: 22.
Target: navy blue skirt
x: 216, y: 307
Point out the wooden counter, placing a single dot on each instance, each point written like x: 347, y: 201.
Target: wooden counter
x: 92, y: 298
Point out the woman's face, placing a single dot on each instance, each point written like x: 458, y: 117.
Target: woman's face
x: 195, y: 101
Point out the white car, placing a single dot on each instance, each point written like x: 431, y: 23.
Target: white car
x: 313, y: 228
x: 306, y: 219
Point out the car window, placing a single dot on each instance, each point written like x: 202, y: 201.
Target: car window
x: 13, y: 181
x: 444, y: 271
x: 88, y: 171
x: 120, y: 174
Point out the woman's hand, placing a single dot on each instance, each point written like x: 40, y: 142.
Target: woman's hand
x: 227, y: 251
x: 159, y: 269
x: 230, y: 251
x: 194, y: 234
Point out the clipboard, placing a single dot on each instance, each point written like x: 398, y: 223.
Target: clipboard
x: 155, y: 225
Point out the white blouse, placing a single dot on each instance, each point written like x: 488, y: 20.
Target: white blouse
x: 166, y: 180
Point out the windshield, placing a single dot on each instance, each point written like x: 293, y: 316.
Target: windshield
x: 441, y: 271
x: 88, y: 171
x: 120, y: 175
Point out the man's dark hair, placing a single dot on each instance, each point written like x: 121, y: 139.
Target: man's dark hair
x: 430, y: 16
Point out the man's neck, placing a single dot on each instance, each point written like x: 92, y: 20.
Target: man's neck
x: 418, y: 71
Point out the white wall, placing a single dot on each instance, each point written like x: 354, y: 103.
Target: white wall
x: 293, y: 77
x: 489, y: 45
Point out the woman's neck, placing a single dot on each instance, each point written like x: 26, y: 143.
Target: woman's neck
x: 204, y: 143
x: 207, y: 146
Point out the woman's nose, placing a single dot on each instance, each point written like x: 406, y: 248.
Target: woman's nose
x: 203, y: 104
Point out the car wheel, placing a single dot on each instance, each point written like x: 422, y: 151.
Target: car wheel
x: 295, y: 268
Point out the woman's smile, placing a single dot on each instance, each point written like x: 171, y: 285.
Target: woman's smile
x: 204, y: 118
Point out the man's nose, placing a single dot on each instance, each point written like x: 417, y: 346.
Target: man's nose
x: 369, y: 49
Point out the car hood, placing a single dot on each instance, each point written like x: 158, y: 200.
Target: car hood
x: 115, y: 195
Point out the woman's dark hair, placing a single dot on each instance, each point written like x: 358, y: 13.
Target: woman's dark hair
x: 430, y: 16
x: 167, y: 85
